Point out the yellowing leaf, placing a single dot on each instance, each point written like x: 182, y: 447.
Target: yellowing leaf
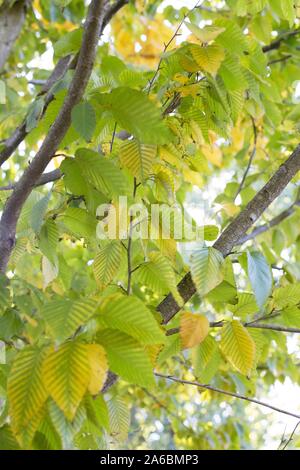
x: 206, y: 34
x: 209, y: 58
x: 98, y: 366
x: 213, y: 154
x: 138, y: 158
x: 238, y: 347
x: 193, y: 329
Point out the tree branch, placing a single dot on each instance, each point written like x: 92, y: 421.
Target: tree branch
x: 20, y: 132
x: 237, y: 228
x: 86, y: 58
x: 229, y: 394
x: 252, y: 155
x: 265, y: 227
x: 277, y: 43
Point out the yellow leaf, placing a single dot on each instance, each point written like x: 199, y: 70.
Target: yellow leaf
x: 99, y: 367
x: 208, y: 58
x: 193, y: 329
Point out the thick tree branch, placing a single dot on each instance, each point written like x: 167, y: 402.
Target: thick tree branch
x: 237, y: 228
x: 229, y: 394
x: 11, y: 22
x: 86, y: 58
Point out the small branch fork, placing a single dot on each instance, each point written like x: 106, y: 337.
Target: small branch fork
x: 227, y: 393
x: 252, y: 155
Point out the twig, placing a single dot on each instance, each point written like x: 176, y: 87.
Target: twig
x: 113, y: 138
x: 129, y: 246
x: 291, y: 436
x: 230, y: 394
x: 252, y: 155
x: 152, y: 80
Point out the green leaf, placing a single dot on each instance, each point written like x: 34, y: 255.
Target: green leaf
x: 260, y: 276
x: 97, y: 411
x: 206, y: 34
x: 238, y: 347
x: 7, y: 439
x: 138, y: 158
x: 233, y: 38
x: 107, y: 263
x: 206, y: 359
x: 84, y: 120
x: 290, y: 316
x: 119, y: 418
x: 2, y: 92
x: 38, y: 212
x: 66, y: 374
x: 65, y: 428
x: 127, y: 357
x: 206, y: 269
x: 135, y: 113
x: 130, y: 315
x: 26, y: 390
x: 64, y: 317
